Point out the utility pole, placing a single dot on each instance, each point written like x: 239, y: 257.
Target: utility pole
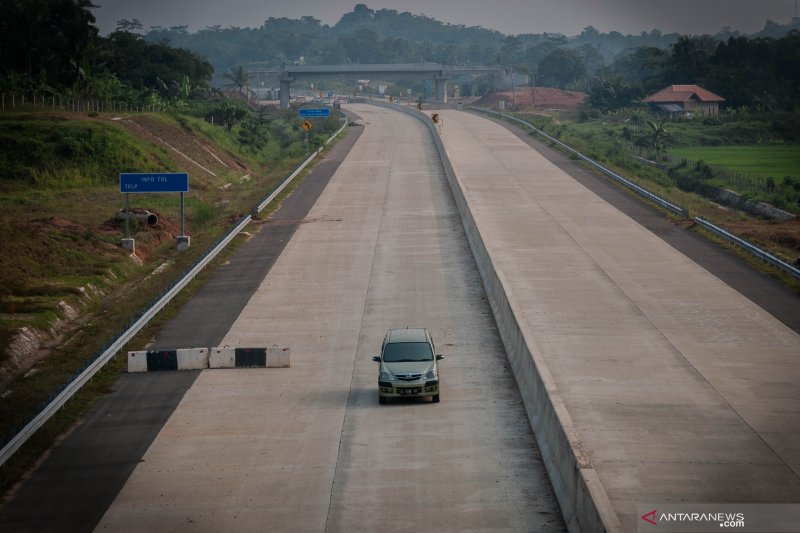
x: 513, y: 94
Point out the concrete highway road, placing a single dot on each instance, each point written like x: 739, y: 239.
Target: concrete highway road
x: 679, y: 388
x: 309, y: 448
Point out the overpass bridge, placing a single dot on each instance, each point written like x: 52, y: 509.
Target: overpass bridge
x: 438, y: 72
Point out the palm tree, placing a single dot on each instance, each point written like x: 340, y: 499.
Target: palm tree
x: 239, y: 79
x: 657, y: 137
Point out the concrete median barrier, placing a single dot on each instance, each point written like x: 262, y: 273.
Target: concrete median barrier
x: 278, y: 357
x: 249, y: 357
x: 137, y: 361
x: 192, y: 358
x: 202, y: 358
x: 582, y: 497
x: 222, y: 358
x: 155, y: 360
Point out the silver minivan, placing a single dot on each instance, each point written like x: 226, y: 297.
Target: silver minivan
x: 409, y: 365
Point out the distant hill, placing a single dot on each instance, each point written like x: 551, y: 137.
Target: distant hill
x: 388, y: 36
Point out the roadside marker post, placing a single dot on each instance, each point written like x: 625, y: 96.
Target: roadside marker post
x: 306, y: 125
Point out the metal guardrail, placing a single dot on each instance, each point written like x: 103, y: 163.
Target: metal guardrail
x: 737, y: 241
x: 74, y: 386
x: 680, y: 211
x: 753, y: 249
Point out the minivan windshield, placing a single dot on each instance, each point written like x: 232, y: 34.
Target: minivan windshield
x: 406, y: 352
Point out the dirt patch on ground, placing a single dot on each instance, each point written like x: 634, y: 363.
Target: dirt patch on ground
x: 781, y: 236
x: 52, y: 242
x: 535, y: 97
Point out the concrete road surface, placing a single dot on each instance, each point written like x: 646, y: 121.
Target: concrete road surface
x: 309, y: 448
x: 679, y: 388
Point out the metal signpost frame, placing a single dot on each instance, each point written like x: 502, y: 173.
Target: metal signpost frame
x: 153, y: 182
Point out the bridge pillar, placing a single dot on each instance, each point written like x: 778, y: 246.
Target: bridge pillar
x: 441, y: 89
x: 285, y: 83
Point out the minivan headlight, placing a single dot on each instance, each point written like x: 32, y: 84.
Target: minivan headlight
x: 431, y: 373
x: 385, y: 375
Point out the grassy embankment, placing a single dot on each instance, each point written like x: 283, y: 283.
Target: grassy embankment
x: 58, y: 197
x: 765, y: 147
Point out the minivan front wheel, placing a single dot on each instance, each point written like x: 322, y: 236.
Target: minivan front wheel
x: 435, y: 398
x: 382, y: 399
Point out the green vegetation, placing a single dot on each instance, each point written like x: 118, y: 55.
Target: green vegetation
x: 774, y: 161
x: 612, y: 139
x: 51, y: 48
x: 53, y: 152
x: 58, y: 170
x: 61, y: 243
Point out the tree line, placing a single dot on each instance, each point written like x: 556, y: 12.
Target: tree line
x: 757, y: 71
x: 53, y: 47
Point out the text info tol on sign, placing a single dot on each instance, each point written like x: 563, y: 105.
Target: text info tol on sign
x: 153, y: 182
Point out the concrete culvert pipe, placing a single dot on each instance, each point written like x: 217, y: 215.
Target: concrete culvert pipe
x: 151, y: 219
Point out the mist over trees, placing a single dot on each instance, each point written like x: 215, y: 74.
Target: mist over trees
x: 617, y: 70
x: 54, y: 43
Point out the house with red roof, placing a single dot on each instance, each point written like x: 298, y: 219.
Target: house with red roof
x: 681, y: 99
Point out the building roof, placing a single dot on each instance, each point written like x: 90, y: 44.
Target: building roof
x: 682, y: 93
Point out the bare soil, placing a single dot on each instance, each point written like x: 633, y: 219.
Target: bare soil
x: 781, y: 236
x: 535, y: 97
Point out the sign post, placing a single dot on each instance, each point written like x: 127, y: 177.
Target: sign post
x: 315, y: 112
x: 153, y: 182
x: 306, y: 125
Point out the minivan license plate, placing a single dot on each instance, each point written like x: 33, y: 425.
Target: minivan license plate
x: 408, y: 391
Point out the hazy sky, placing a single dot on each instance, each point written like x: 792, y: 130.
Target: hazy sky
x: 508, y: 16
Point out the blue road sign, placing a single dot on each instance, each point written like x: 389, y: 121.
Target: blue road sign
x: 154, y: 182
x: 315, y: 112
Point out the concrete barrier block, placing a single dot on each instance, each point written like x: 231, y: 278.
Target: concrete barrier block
x: 278, y: 357
x: 193, y: 359
x: 222, y: 358
x: 137, y: 361
x: 251, y: 357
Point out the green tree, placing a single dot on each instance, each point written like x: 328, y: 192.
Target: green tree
x: 689, y: 61
x: 229, y: 113
x: 131, y: 26
x: 658, y: 136
x: 239, y: 79
x: 610, y: 93
x: 561, y: 67
x: 49, y: 40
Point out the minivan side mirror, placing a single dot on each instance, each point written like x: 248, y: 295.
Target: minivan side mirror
x: 376, y: 358
x: 439, y: 357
